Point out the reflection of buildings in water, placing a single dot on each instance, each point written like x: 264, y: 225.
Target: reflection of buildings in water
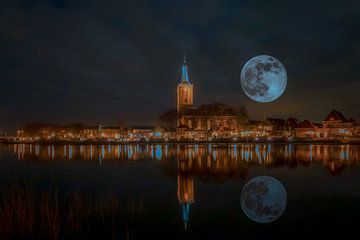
x: 335, y: 167
x: 186, y: 196
x: 211, y: 158
x: 87, y: 152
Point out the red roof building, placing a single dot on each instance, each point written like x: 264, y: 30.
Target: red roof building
x: 306, y: 129
x: 335, y: 116
x: 335, y: 124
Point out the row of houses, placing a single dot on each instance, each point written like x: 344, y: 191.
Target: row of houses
x: 206, y: 128
x: 91, y: 133
x: 334, y: 126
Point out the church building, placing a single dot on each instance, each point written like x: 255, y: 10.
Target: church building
x: 211, y: 121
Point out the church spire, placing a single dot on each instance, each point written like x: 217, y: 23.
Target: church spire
x: 184, y: 89
x: 184, y: 73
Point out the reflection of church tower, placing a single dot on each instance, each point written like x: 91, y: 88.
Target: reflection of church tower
x: 186, y: 196
x: 184, y: 90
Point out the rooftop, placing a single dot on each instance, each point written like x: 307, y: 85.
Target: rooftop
x: 305, y: 124
x: 335, y: 116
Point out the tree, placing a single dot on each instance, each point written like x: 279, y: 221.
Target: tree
x: 242, y: 115
x: 218, y: 109
x: 168, y: 119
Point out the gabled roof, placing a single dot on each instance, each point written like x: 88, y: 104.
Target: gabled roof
x: 292, y: 122
x: 277, y: 121
x: 335, y: 115
x: 292, y: 119
x: 305, y: 124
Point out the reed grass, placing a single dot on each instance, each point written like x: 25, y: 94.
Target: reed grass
x: 29, y: 210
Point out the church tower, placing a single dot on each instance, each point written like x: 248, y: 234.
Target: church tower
x: 184, y: 90
x: 186, y: 197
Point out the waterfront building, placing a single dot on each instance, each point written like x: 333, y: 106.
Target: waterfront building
x: 136, y: 133
x: 90, y: 132
x: 306, y: 129
x: 335, y: 124
x: 211, y: 121
x: 290, y: 127
x: 253, y: 129
x: 277, y: 124
x: 334, y: 127
x: 278, y: 127
x: 110, y: 132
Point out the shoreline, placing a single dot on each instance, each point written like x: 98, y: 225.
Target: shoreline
x: 185, y: 142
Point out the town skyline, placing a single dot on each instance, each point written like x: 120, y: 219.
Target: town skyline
x: 179, y: 119
x: 66, y: 61
x: 252, y: 114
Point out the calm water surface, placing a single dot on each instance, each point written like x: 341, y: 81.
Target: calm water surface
x: 193, y: 191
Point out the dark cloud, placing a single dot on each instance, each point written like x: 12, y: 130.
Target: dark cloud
x: 104, y: 61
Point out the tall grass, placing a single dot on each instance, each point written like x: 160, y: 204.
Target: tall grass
x: 29, y: 210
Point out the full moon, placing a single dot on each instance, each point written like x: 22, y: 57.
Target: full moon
x: 263, y: 78
x: 263, y: 199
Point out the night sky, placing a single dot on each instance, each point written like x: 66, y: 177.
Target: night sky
x: 109, y: 61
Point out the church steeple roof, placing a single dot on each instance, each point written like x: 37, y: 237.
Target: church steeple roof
x: 184, y: 72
